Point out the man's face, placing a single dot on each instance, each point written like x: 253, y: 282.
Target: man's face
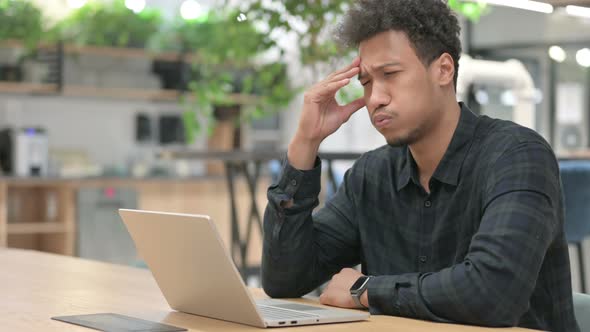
x: 400, y: 92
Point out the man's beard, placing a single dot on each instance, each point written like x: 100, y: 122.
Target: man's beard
x: 411, y: 138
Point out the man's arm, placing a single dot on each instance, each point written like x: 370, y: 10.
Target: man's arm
x: 301, y: 251
x: 494, y: 283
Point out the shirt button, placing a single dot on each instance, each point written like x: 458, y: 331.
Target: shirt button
x: 428, y: 204
x: 293, y: 182
x: 423, y: 259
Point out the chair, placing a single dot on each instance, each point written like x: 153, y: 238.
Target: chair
x: 575, y: 178
x: 582, y: 311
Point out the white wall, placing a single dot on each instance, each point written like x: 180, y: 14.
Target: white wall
x: 506, y: 26
x: 105, y: 129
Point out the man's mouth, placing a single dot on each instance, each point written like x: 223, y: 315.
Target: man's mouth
x: 382, y: 120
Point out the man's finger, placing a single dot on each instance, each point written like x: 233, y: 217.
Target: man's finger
x: 349, y: 109
x: 355, y: 63
x: 348, y: 74
x: 330, y: 89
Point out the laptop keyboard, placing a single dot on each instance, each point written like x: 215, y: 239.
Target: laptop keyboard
x: 271, y: 312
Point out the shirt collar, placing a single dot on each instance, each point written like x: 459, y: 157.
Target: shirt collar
x: 405, y: 168
x: 449, y: 168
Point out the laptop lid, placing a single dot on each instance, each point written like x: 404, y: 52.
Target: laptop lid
x: 191, y: 266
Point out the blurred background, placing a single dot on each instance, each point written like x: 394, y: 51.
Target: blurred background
x: 188, y: 106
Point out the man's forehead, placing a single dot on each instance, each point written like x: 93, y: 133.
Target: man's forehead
x: 368, y: 66
x: 379, y: 65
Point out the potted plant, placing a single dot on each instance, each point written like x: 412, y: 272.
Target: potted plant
x: 113, y: 24
x: 230, y: 82
x: 108, y: 25
x: 20, y: 21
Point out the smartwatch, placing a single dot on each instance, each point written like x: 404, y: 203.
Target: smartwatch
x: 357, y: 290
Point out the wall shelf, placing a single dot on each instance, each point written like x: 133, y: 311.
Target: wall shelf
x: 28, y: 88
x: 133, y: 53
x: 118, y: 52
x: 59, y: 87
x: 37, y: 228
x: 36, y: 89
x: 120, y: 93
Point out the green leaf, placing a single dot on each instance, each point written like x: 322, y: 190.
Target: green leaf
x: 190, y: 126
x: 21, y: 20
x: 113, y: 24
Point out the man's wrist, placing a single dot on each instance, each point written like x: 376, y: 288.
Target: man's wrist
x: 303, y: 139
x: 365, y: 299
x: 302, y: 153
x: 358, y: 291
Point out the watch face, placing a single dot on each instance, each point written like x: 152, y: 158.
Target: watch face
x: 359, y: 283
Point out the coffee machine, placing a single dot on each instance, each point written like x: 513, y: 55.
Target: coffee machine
x: 24, y: 151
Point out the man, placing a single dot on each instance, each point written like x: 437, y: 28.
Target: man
x: 458, y: 219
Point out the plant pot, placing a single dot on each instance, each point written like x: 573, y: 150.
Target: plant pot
x: 11, y: 55
x: 35, y: 71
x: 226, y: 135
x: 11, y: 73
x: 172, y: 74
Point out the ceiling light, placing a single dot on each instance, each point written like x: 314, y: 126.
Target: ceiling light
x: 135, y: 5
x: 583, y: 57
x: 557, y: 53
x: 538, y: 96
x: 482, y: 97
x: 578, y: 11
x: 242, y: 17
x: 75, y: 4
x: 508, y: 98
x: 190, y: 10
x: 521, y: 4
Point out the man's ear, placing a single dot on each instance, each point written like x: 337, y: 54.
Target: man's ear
x: 444, y: 70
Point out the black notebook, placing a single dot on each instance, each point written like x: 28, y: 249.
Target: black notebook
x: 117, y: 323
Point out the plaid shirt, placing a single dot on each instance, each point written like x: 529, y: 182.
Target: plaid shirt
x: 485, y: 247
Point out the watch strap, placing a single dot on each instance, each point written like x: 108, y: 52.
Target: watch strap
x: 357, y: 300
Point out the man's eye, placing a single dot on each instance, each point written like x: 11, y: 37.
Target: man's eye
x: 389, y: 73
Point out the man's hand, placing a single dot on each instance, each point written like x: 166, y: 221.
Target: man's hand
x: 322, y: 116
x: 337, y: 293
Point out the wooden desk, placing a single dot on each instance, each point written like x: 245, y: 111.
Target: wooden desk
x: 35, y: 286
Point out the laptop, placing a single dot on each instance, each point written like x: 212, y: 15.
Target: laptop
x: 197, y: 276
